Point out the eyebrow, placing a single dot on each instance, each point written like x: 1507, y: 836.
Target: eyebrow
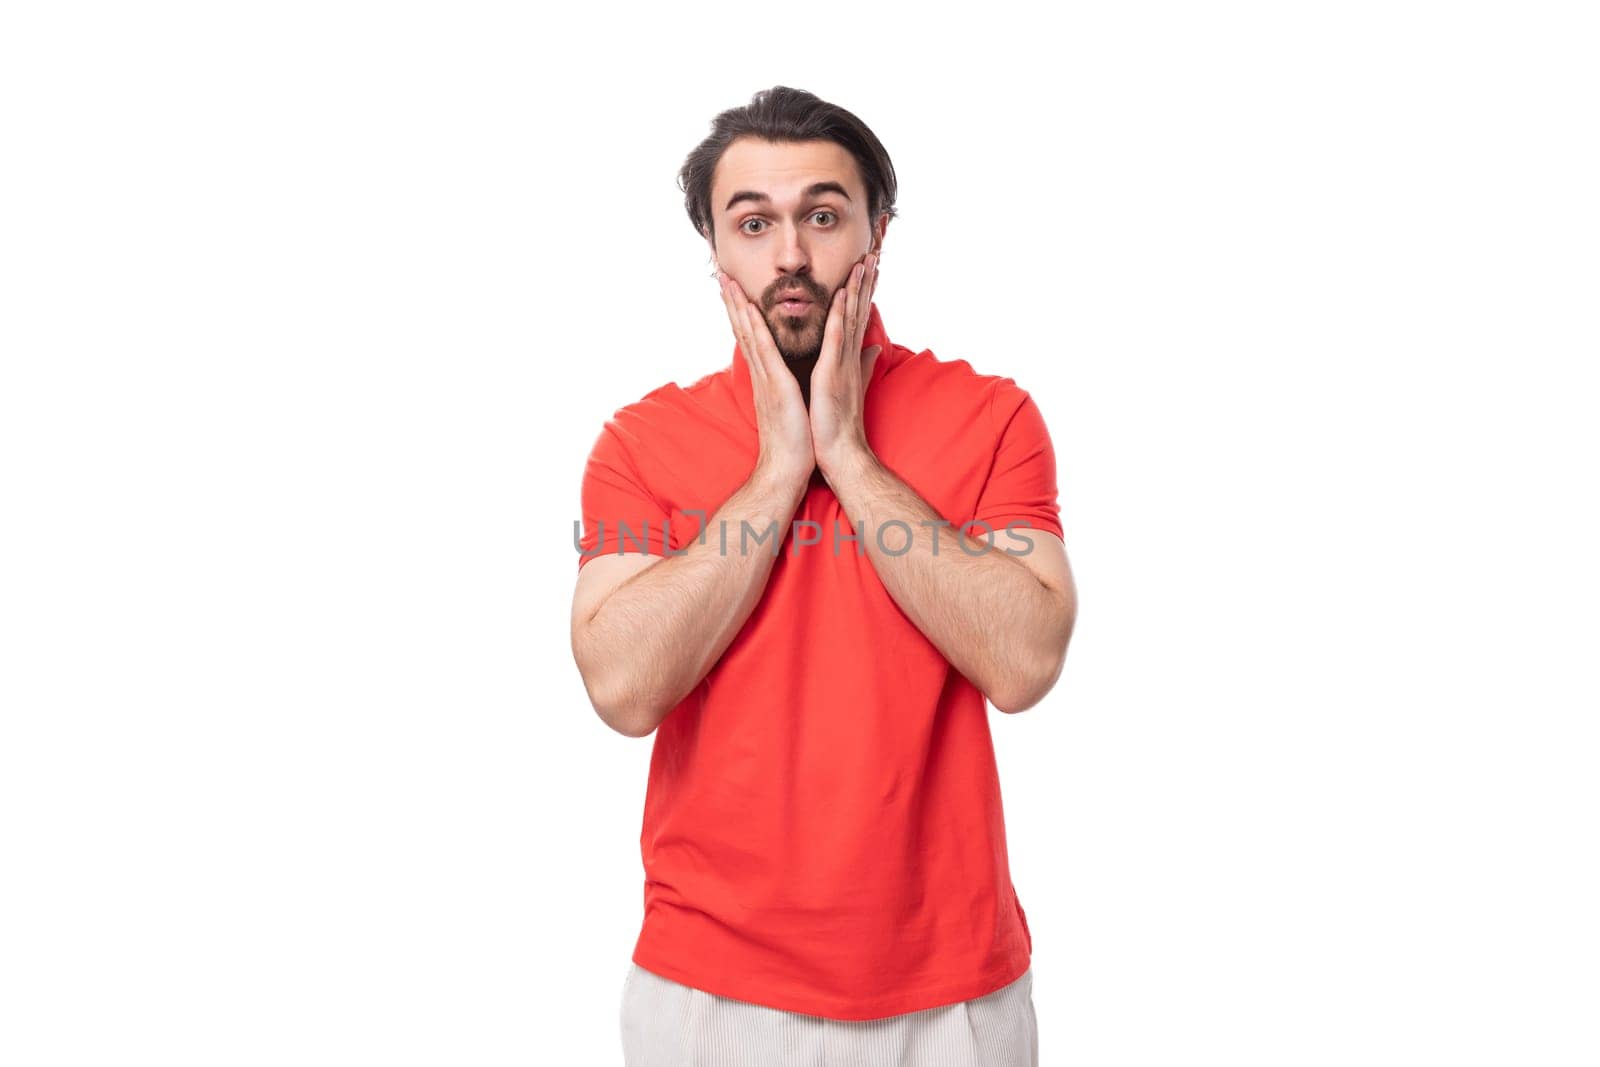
x: 810, y: 192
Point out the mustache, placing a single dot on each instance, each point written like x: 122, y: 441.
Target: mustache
x: 783, y: 285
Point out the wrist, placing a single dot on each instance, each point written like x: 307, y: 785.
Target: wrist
x: 780, y: 480
x: 845, y: 460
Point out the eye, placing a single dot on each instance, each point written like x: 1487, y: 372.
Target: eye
x: 744, y: 226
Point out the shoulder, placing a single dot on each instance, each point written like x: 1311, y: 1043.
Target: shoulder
x: 667, y: 432
x: 637, y: 422
x: 671, y: 401
x: 998, y: 397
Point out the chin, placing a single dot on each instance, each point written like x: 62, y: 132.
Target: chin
x: 794, y: 327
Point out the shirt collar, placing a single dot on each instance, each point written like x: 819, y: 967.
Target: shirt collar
x: 874, y: 334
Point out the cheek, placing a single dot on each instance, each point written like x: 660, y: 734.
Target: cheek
x: 745, y: 278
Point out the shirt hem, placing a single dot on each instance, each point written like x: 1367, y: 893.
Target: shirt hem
x: 840, y: 1009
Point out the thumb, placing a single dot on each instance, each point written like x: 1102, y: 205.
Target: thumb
x: 869, y: 360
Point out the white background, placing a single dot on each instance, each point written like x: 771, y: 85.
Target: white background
x: 311, y: 313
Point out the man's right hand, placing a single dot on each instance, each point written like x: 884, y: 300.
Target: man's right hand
x: 782, y: 421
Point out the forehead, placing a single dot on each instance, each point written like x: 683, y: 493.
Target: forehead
x: 782, y: 170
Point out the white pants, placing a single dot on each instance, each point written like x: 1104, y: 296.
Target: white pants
x: 667, y: 1024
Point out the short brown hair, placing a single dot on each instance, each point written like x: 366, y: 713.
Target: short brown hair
x: 781, y: 114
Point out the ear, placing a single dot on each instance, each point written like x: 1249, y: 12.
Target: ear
x: 881, y: 229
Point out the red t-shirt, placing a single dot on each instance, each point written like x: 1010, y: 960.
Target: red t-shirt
x: 823, y: 830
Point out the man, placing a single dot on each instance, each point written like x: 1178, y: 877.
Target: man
x: 772, y: 580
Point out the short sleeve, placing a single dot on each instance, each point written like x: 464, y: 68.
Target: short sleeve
x: 619, y: 511
x: 1021, y: 487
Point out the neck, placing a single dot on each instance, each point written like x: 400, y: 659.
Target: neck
x: 802, y: 369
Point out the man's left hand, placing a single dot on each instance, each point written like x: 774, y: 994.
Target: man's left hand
x: 839, y: 380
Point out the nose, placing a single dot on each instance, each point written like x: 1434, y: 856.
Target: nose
x: 793, y: 257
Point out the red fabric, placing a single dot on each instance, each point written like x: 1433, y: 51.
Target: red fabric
x: 823, y: 830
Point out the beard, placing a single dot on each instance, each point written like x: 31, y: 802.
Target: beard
x: 799, y: 340
x: 799, y: 337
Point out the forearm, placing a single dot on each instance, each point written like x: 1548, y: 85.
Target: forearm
x: 989, y: 615
x: 658, y: 634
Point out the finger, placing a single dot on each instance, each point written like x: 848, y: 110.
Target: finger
x: 756, y: 340
x: 869, y: 359
x: 869, y: 283
x: 852, y: 313
x: 735, y: 319
x: 833, y: 330
x: 766, y: 349
x: 757, y: 327
x: 864, y: 302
